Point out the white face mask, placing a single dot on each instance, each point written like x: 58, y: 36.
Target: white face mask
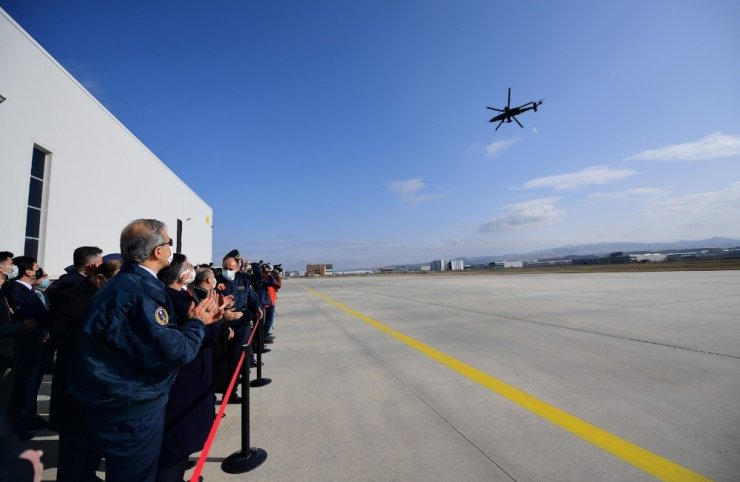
x: 10, y: 271
x: 212, y: 282
x: 188, y: 276
x: 169, y: 259
x: 228, y: 274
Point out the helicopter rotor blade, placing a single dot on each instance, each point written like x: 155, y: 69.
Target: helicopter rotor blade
x: 493, y: 108
x: 517, y: 121
x: 499, y: 125
x: 508, y: 102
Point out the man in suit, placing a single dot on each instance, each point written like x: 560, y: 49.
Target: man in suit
x: 26, y: 305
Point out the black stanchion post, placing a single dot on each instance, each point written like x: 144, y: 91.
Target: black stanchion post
x: 247, y: 458
x: 259, y: 381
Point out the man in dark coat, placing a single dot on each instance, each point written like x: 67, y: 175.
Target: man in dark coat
x: 246, y: 302
x: 26, y: 305
x: 78, y: 457
x: 86, y: 259
x: 129, y: 353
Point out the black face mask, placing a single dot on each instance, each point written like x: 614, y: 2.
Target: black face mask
x: 39, y: 273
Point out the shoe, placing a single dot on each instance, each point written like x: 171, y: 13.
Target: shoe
x: 190, y: 464
x: 235, y: 399
x: 265, y: 350
x: 268, y: 341
x: 35, y: 423
x: 253, y: 364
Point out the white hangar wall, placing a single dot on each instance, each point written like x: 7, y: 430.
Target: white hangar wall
x: 98, y: 176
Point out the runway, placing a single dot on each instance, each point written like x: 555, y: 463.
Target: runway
x: 557, y: 377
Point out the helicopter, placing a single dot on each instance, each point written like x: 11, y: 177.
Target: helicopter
x: 508, y: 113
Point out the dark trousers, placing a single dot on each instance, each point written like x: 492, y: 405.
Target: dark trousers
x: 174, y: 472
x: 131, y: 447
x: 79, y: 457
x: 23, y: 404
x: 234, y: 346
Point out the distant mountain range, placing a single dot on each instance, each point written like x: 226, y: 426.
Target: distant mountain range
x: 596, y: 250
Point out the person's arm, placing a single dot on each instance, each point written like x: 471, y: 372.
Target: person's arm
x: 130, y: 327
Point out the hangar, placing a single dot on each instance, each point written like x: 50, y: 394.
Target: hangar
x: 74, y: 175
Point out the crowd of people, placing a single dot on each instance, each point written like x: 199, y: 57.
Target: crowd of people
x: 138, y: 344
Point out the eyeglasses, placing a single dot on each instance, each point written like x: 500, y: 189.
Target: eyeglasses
x: 168, y: 243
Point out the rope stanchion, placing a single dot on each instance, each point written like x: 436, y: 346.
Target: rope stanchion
x: 259, y: 381
x: 255, y: 459
x: 248, y: 457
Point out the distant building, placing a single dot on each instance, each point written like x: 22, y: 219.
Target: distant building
x: 319, y: 270
x: 649, y: 257
x: 439, y: 265
x: 456, y: 265
x: 425, y: 267
x: 509, y: 264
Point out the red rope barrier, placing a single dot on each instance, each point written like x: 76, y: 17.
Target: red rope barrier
x: 221, y: 411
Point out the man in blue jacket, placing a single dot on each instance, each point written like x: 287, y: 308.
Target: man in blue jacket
x: 129, y: 353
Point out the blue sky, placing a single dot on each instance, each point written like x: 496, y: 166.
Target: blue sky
x: 355, y: 133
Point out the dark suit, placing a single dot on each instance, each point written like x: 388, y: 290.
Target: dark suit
x: 26, y: 304
x: 78, y: 457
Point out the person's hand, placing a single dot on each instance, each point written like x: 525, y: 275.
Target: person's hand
x: 231, y: 334
x: 208, y: 310
x: 34, y: 456
x: 228, y: 301
x: 231, y: 315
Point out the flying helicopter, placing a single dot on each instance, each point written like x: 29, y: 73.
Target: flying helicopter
x: 508, y: 113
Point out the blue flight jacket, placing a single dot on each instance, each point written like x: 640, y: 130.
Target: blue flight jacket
x: 130, y: 348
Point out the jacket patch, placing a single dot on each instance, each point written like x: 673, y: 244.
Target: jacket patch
x: 161, y: 316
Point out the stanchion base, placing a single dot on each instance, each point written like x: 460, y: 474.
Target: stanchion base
x: 260, y: 382
x: 238, y: 463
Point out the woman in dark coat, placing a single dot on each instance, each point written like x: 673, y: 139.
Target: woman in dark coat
x: 190, y: 411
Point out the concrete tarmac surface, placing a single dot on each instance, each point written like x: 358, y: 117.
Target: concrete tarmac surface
x: 526, y: 377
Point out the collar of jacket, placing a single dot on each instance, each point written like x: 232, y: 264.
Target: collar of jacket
x: 151, y: 283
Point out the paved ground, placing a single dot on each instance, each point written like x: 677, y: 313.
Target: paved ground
x: 650, y: 359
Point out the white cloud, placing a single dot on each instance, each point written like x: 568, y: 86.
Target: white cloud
x: 713, y: 146
x: 528, y: 213
x: 586, y: 177
x: 639, y: 193
x: 497, y: 147
x: 717, y: 204
x: 411, y: 191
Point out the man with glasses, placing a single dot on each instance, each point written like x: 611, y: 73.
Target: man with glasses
x: 129, y: 353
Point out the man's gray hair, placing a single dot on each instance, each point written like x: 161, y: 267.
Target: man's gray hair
x: 202, y: 274
x: 139, y: 239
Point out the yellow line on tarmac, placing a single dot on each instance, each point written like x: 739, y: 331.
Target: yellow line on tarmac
x: 645, y: 460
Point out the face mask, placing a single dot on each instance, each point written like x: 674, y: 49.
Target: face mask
x: 228, y: 274
x: 188, y: 276
x: 169, y: 259
x: 44, y: 283
x: 11, y: 271
x: 212, y: 281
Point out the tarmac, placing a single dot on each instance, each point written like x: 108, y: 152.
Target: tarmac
x: 525, y: 377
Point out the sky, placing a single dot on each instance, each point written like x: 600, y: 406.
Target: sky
x: 356, y: 133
